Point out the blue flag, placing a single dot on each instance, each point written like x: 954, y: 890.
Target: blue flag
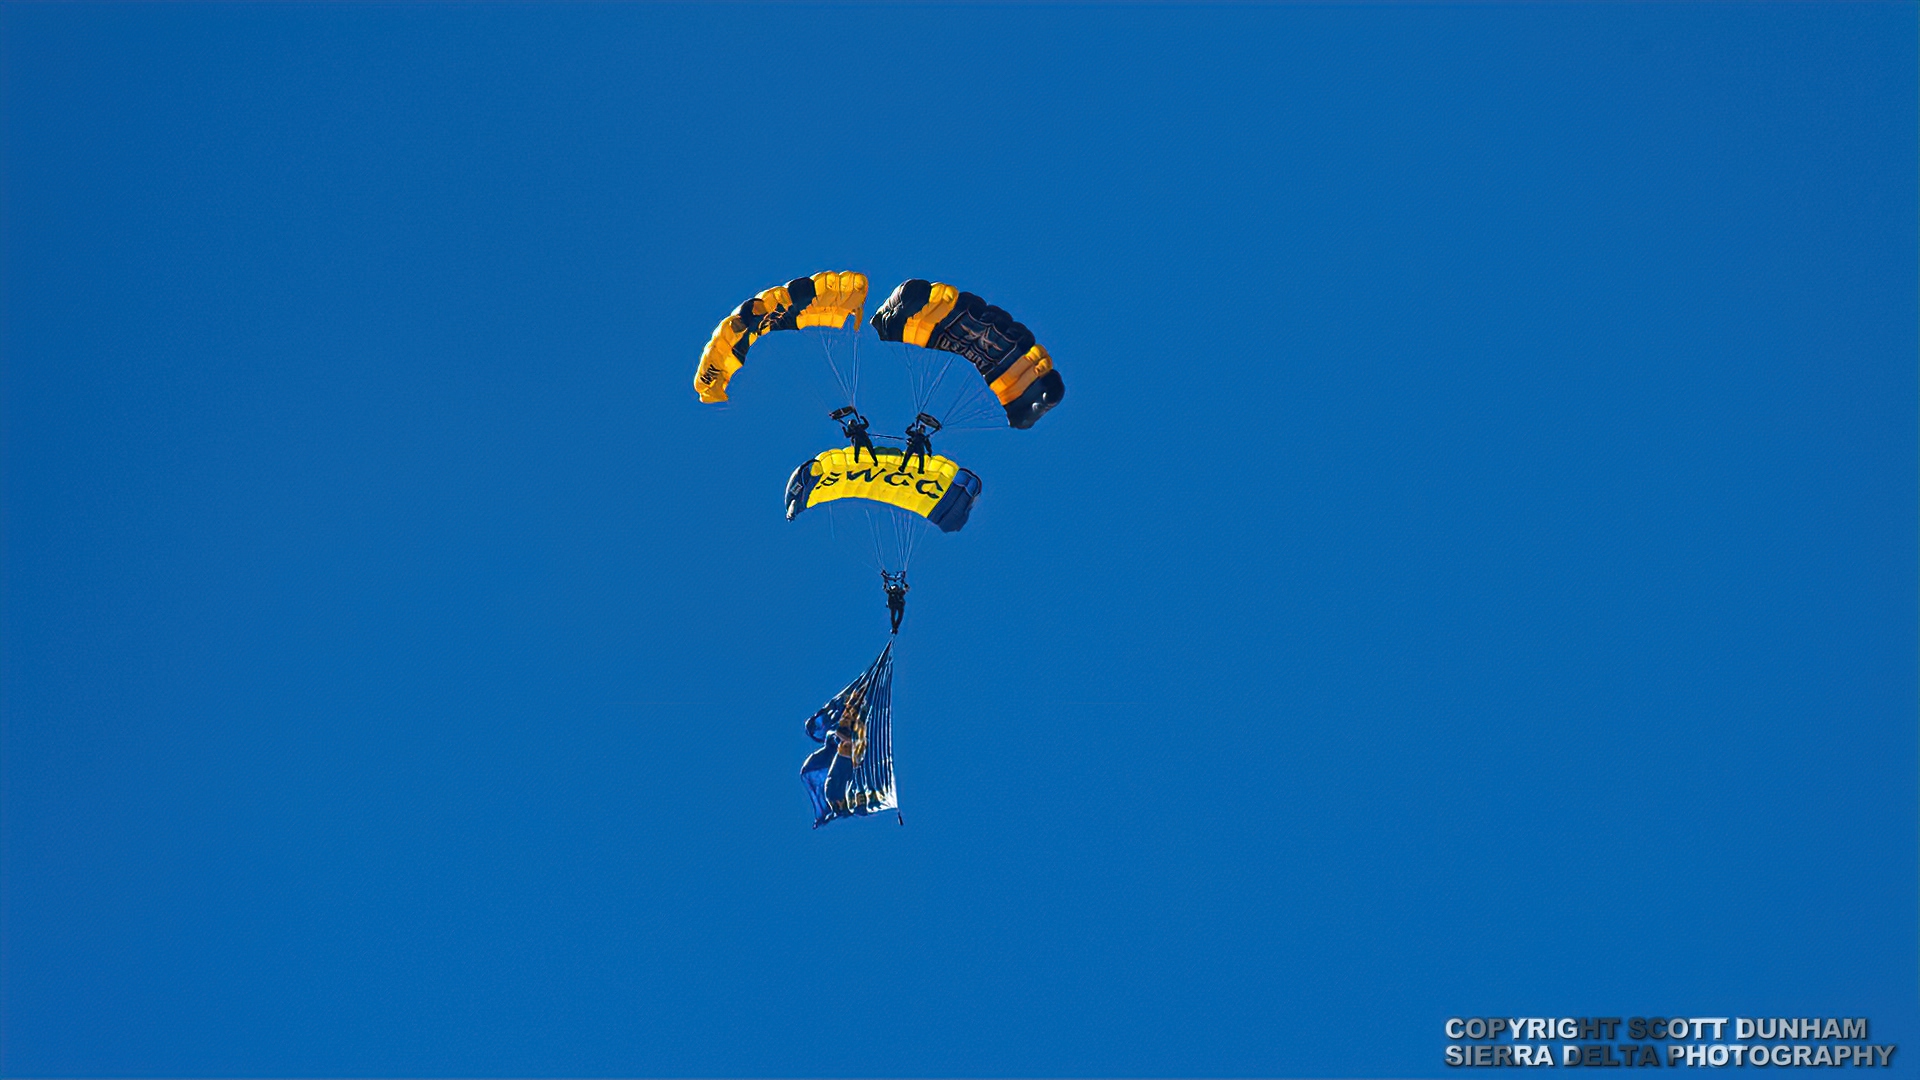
x: 852, y: 772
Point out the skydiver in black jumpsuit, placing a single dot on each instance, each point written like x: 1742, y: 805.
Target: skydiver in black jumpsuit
x: 919, y: 441
x: 896, y: 586
x: 854, y: 427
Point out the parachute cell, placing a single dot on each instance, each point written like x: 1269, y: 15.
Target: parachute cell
x: 826, y: 299
x: 1016, y: 368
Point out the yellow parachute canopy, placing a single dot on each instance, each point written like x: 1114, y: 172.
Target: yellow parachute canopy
x: 933, y: 488
x: 826, y: 299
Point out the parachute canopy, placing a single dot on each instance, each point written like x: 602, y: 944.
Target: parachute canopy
x: 938, y: 490
x: 1016, y: 368
x: 824, y: 300
x: 852, y: 772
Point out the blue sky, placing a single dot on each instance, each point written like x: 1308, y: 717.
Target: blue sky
x: 1473, y: 571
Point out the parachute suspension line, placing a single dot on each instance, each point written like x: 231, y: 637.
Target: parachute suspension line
x: 826, y: 353
x: 813, y: 384
x: 901, y: 541
x: 879, y: 543
x: 848, y: 369
x: 906, y: 536
x: 890, y: 526
x: 839, y: 377
x: 934, y: 388
x: 854, y: 399
x: 969, y: 407
x: 833, y: 533
x: 852, y: 343
x: 916, y: 374
x: 923, y: 390
x: 906, y: 365
x: 814, y: 389
x: 843, y: 365
x: 893, y: 535
x: 909, y: 536
x: 973, y: 407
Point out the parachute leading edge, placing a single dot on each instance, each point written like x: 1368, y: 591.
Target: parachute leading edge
x: 944, y: 493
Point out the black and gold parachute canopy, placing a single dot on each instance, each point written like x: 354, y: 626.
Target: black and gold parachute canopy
x: 935, y: 315
x: 826, y: 299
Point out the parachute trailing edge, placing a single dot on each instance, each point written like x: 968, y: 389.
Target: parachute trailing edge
x: 941, y: 491
x: 934, y: 315
x: 826, y: 299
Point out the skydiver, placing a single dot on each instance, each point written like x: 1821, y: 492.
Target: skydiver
x: 896, y: 586
x: 854, y: 427
x: 919, y: 441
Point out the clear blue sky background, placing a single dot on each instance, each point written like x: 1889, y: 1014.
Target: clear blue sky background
x: 1473, y: 571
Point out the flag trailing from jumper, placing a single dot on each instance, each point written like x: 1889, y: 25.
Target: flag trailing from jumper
x: 852, y: 772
